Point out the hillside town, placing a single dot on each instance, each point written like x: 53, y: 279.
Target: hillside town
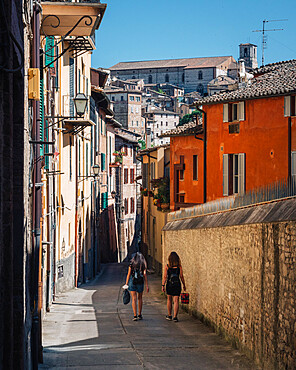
x: 195, y: 156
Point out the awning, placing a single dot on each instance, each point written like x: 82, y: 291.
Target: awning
x: 74, y: 126
x: 58, y: 18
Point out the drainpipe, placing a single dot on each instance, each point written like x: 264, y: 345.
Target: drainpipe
x: 289, y: 148
x: 36, y: 318
x: 204, y: 153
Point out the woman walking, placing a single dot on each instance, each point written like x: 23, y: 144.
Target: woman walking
x: 171, y: 280
x: 137, y: 274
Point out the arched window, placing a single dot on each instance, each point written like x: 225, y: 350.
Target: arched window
x: 200, y: 75
x: 134, y: 77
x: 167, y: 78
x: 245, y: 52
x: 150, y: 79
x: 183, y: 77
x: 200, y: 89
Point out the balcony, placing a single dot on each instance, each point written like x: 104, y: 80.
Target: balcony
x: 68, y: 18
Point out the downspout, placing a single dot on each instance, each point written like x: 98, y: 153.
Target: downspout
x: 204, y: 153
x: 36, y: 318
x: 289, y: 148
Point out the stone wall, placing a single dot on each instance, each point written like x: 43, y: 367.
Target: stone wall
x: 242, y: 279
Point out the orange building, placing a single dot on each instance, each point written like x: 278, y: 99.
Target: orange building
x: 250, y: 139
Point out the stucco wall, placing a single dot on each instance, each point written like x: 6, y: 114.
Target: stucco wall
x: 241, y: 280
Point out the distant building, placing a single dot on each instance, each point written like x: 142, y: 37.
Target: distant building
x: 248, y: 52
x: 127, y: 104
x: 192, y: 74
x: 159, y: 121
x: 221, y: 83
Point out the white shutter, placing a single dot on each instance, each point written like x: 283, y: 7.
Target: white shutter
x: 287, y: 106
x: 241, y: 173
x: 225, y: 175
x: 241, y: 111
x: 225, y: 112
x: 293, y: 165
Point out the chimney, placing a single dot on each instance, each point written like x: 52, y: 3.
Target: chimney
x: 148, y: 137
x: 242, y: 71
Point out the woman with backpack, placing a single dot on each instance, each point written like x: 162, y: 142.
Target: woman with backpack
x: 172, y: 285
x: 137, y: 274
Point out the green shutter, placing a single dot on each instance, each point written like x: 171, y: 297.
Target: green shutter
x: 41, y: 112
x: 49, y: 51
x: 103, y: 161
x: 71, y: 85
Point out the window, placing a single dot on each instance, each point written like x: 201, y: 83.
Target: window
x: 132, y: 175
x: 132, y: 109
x: 181, y: 174
x: 167, y: 78
x: 126, y: 175
x: 234, y: 112
x: 200, y: 75
x: 183, y: 77
x: 233, y: 173
x: 289, y: 106
x: 150, y: 79
x: 195, y: 167
x: 245, y: 52
x: 126, y: 206
x: 200, y: 89
x: 138, y: 98
x: 152, y: 171
x: 161, y: 123
x: 121, y: 98
x: 132, y: 122
x: 112, y: 98
x: 132, y: 205
x: 137, y: 123
x: 132, y: 98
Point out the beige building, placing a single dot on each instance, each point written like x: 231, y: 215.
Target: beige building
x: 155, y: 166
x: 68, y: 174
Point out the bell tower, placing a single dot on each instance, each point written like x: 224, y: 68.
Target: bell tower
x: 248, y: 52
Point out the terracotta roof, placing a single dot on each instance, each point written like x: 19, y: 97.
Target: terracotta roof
x: 148, y: 150
x: 274, y: 66
x: 187, y: 129
x: 205, y: 62
x: 279, y: 80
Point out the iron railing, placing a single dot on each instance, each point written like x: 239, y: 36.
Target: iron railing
x: 272, y: 192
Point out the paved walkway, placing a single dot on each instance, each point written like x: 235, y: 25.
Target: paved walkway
x: 90, y: 328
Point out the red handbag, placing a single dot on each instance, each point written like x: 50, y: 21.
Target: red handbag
x: 185, y: 298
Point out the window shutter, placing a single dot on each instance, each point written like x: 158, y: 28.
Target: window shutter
x: 144, y: 175
x: 41, y: 108
x: 241, y: 173
x: 225, y: 174
x: 293, y: 165
x: 71, y: 85
x: 287, y: 106
x: 241, y: 111
x: 103, y: 163
x: 225, y: 112
x: 49, y: 51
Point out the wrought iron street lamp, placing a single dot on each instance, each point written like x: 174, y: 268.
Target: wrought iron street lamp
x: 95, y: 170
x: 80, y: 102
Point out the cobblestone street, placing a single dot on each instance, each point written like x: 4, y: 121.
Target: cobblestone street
x: 90, y: 328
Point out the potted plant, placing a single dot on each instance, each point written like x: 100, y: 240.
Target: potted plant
x: 144, y: 192
x: 118, y: 157
x: 163, y: 191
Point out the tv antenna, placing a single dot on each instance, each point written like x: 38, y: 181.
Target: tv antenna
x: 264, y: 37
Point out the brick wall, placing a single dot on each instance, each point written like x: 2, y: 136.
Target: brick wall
x: 242, y: 281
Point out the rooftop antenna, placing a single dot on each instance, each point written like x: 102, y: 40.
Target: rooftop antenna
x: 264, y: 37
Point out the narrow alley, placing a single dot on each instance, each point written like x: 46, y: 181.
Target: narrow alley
x: 90, y: 328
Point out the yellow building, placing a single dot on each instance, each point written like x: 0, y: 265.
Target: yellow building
x: 155, y: 200
x: 70, y: 170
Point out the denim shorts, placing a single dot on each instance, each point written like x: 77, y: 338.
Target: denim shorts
x: 139, y: 288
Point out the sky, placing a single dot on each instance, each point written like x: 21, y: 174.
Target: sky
x: 133, y: 30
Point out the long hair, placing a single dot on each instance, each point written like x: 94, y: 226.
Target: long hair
x: 174, y: 260
x: 138, y: 262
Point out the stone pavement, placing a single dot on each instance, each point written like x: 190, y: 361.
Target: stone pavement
x: 90, y: 328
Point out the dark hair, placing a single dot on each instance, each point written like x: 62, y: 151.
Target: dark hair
x: 138, y: 262
x: 174, y: 260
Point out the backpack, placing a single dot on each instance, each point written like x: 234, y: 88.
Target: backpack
x: 174, y: 276
x: 138, y: 277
